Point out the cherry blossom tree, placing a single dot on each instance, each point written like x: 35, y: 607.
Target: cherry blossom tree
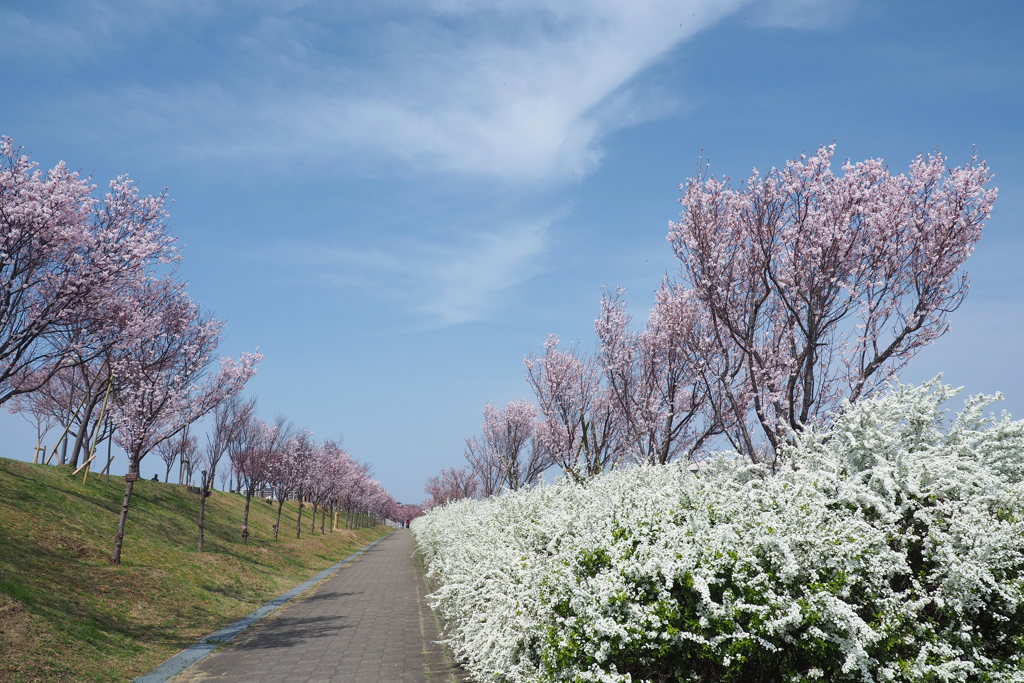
x: 54, y: 403
x: 182, y: 446
x: 87, y: 384
x: 41, y: 419
x: 164, y: 382
x: 362, y: 498
x: 486, y: 470
x: 255, y: 460
x: 76, y: 387
x: 819, y: 287
x: 327, y: 471
x: 406, y: 511
x: 661, y: 379
x: 306, y: 449
x: 227, y: 436
x: 580, y: 430
x: 287, y: 469
x: 376, y: 503
x: 351, y: 479
x: 353, y: 495
x: 65, y: 256
x: 508, y: 444
x: 336, y: 467
x: 450, y: 485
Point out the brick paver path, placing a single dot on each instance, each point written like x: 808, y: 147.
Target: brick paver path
x: 367, y: 623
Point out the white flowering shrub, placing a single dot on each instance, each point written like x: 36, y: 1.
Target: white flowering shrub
x: 889, y: 548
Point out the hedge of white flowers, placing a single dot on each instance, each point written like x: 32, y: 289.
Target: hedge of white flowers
x: 889, y: 548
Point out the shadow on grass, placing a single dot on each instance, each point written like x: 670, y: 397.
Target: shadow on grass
x: 79, y: 618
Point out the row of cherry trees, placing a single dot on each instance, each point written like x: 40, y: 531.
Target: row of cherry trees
x: 798, y: 290
x: 98, y: 338
x: 284, y: 464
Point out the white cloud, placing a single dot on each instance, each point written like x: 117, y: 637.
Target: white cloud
x: 517, y: 94
x: 514, y: 91
x: 529, y: 104
x: 520, y: 90
x: 457, y: 282
x: 469, y: 283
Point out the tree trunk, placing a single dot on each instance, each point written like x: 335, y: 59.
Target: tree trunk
x: 82, y: 438
x: 298, y: 524
x: 245, y: 517
x: 129, y: 484
x: 323, y: 519
x: 202, y: 515
x: 277, y: 527
x: 312, y: 526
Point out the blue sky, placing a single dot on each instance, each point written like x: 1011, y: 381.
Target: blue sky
x: 397, y: 201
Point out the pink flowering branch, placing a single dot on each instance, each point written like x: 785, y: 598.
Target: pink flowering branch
x: 817, y: 287
x: 64, y: 256
x: 164, y: 381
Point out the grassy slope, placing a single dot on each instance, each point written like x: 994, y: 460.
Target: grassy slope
x: 65, y: 614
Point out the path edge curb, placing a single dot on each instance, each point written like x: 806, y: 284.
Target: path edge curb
x: 193, y: 653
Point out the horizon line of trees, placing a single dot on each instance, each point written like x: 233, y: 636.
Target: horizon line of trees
x: 798, y: 290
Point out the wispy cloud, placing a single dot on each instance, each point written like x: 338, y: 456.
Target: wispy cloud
x: 470, y: 283
x: 76, y: 34
x: 514, y: 94
x: 466, y: 279
x: 519, y: 91
x: 529, y: 100
x: 800, y: 14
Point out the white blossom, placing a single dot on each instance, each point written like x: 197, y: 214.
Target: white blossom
x: 887, y: 548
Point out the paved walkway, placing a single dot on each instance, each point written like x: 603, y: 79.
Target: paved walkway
x: 369, y: 622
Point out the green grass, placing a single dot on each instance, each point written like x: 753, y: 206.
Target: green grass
x: 66, y: 614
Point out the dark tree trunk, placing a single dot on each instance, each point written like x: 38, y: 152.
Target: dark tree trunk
x: 82, y: 438
x: 298, y: 524
x: 203, y: 490
x: 245, y: 516
x: 277, y: 527
x: 129, y: 484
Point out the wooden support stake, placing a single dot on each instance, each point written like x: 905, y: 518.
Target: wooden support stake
x: 85, y: 464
